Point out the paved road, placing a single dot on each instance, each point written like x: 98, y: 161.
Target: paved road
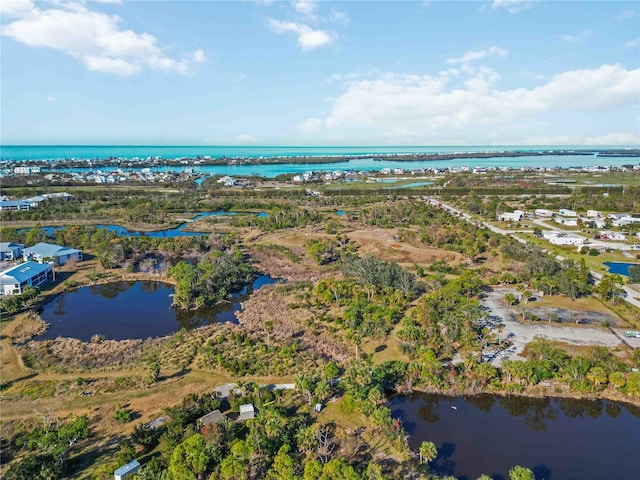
x: 632, y: 295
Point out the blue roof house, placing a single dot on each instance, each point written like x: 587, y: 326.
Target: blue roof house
x: 13, y: 280
x: 47, y: 252
x: 10, y: 250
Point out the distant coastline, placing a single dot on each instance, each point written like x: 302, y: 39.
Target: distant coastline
x: 54, y: 157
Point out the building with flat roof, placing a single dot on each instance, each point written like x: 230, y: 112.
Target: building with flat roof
x: 48, y: 252
x: 247, y: 411
x: 126, y: 470
x: 28, y: 274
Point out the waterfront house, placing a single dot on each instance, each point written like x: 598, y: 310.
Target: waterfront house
x: 126, y: 470
x: 228, y: 181
x: 10, y: 250
x: 28, y: 274
x: 247, y: 412
x: 47, y: 252
x: 14, y: 205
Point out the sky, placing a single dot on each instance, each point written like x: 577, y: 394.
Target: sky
x: 304, y: 72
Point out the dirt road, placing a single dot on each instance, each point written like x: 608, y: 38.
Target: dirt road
x: 519, y: 334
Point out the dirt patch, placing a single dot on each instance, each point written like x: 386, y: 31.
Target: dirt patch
x: 289, y: 323
x: 25, y: 326
x: 384, y: 244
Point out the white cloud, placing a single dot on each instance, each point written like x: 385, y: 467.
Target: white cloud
x: 339, y: 17
x: 414, y: 108
x: 513, y: 6
x: 305, y: 7
x: 246, y: 139
x: 578, y: 37
x: 51, y: 99
x: 607, y: 139
x: 107, y: 1
x: 623, y: 15
x: 477, y: 55
x: 95, y: 38
x: 631, y: 43
x: 308, y: 38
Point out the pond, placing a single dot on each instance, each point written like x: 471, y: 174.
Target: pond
x: 621, y: 268
x: 132, y: 310
x: 559, y: 439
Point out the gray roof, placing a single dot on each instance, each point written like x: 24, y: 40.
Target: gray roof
x: 23, y: 272
x: 129, y: 467
x: 37, y: 198
x: 211, y: 417
x: 7, y: 245
x: 247, y: 411
x: 46, y: 250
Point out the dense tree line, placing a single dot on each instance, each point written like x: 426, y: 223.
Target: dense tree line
x: 210, y: 280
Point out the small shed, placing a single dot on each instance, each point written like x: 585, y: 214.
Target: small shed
x: 126, y: 470
x: 247, y: 412
x: 209, y: 418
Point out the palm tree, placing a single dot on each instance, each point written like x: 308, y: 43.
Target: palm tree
x: 427, y: 452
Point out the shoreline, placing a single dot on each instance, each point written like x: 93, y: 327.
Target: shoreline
x: 199, y: 160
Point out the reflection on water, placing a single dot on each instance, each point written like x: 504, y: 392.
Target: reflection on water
x: 131, y: 310
x: 557, y: 438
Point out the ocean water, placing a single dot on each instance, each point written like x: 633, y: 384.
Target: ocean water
x: 58, y: 152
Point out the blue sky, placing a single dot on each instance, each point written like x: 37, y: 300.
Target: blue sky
x: 492, y: 72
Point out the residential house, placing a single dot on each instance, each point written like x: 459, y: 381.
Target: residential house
x: 126, y: 470
x: 541, y: 212
x: 28, y: 274
x: 10, y: 250
x: 567, y: 222
x: 228, y: 181
x: 594, y: 214
x: 565, y: 212
x: 614, y: 236
x: 14, y: 205
x: 209, y: 419
x: 47, y: 252
x: 514, y: 216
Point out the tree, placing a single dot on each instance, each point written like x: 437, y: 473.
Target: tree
x: 427, y: 452
x: 189, y: 459
x: 282, y: 468
x: 597, y: 376
x: 521, y: 473
x: 268, y: 328
x: 153, y: 368
x: 634, y: 274
x: 510, y: 299
x: 610, y: 286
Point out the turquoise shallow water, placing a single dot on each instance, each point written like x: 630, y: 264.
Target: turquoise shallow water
x: 51, y: 152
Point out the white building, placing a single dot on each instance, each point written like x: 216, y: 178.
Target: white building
x: 48, y: 252
x: 28, y: 274
x: 567, y: 222
x: 557, y: 238
x: 228, y: 181
x: 514, y: 216
x: 126, y: 470
x: 594, y: 214
x: 541, y: 212
x: 614, y: 236
x: 565, y: 212
x: 10, y: 250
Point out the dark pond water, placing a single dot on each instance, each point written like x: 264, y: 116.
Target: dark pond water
x: 620, y: 268
x: 169, y: 233
x: 559, y: 439
x: 130, y: 310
